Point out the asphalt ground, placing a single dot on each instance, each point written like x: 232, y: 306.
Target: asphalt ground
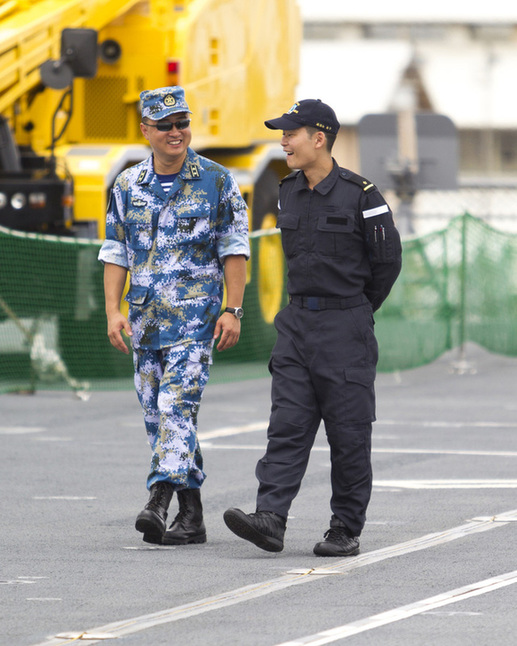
x: 438, y: 562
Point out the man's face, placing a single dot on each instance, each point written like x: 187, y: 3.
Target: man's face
x: 170, y: 146
x: 299, y: 147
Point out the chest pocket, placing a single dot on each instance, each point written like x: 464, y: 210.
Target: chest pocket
x: 289, y: 224
x: 334, y: 232
x: 139, y: 228
x: 192, y: 224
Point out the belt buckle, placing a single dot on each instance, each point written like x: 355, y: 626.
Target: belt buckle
x: 313, y: 303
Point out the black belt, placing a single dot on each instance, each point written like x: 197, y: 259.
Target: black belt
x: 325, y: 303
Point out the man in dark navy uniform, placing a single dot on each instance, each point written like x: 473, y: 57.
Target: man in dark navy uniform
x: 343, y: 256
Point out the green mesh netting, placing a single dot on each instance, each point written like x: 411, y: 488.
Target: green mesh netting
x: 456, y: 285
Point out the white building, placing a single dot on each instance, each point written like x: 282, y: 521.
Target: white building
x: 449, y: 58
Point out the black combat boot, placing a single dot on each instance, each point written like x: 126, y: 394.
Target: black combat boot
x: 151, y: 520
x: 265, y: 529
x: 337, y: 541
x: 188, y: 526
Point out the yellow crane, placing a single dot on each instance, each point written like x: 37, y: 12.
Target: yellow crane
x: 237, y: 60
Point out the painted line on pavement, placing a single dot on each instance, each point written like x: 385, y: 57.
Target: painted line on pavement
x: 404, y: 612
x: 447, y: 484
x: 444, y: 424
x: 21, y: 430
x: 253, y: 591
x: 262, y: 447
x: 64, y: 497
x: 227, y: 431
x: 500, y: 454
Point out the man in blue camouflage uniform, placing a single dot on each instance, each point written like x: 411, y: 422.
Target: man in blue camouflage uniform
x: 178, y: 224
x: 343, y: 255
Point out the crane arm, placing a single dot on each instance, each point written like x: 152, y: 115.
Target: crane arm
x: 30, y: 34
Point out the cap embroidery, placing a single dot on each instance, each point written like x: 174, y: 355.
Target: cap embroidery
x: 169, y: 100
x: 322, y: 125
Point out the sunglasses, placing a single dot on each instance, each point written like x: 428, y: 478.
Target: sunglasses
x: 166, y: 126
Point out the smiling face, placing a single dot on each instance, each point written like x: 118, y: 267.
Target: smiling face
x: 169, y: 148
x: 301, y: 148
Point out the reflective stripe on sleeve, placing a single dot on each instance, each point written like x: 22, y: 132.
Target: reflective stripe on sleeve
x: 378, y: 210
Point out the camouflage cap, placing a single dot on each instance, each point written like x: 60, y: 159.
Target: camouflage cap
x: 160, y: 103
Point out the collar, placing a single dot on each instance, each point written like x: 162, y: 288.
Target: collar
x: 326, y: 184
x: 191, y: 169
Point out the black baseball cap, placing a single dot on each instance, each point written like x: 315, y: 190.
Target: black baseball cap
x: 309, y: 112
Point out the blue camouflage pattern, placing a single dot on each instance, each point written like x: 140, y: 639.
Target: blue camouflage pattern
x: 170, y: 384
x: 160, y: 103
x: 174, y: 247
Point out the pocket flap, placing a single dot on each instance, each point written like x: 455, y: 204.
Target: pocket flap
x: 287, y: 220
x: 193, y: 210
x: 137, y: 295
x: 363, y: 375
x: 143, y: 217
x: 336, y: 222
x: 197, y: 288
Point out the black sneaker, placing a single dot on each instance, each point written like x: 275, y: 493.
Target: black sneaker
x: 337, y: 541
x: 265, y: 529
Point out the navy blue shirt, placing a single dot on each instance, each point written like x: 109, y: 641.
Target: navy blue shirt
x: 339, y: 238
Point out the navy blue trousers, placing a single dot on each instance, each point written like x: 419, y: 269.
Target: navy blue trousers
x: 323, y: 368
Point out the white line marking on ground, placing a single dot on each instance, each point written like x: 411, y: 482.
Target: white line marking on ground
x: 64, y: 497
x: 262, y: 426
x: 20, y: 430
x: 90, y: 637
x: 444, y: 424
x: 253, y: 591
x: 227, y: 431
x: 404, y: 612
x: 262, y: 447
x: 502, y: 454
x: 451, y: 613
x: 447, y: 484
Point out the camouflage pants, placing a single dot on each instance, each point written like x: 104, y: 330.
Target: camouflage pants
x: 169, y: 384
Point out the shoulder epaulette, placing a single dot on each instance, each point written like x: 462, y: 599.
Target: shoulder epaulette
x: 290, y: 176
x: 365, y: 184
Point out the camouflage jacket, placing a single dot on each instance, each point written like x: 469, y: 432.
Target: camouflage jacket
x: 174, y: 247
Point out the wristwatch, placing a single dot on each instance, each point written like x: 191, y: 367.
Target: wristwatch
x: 238, y: 312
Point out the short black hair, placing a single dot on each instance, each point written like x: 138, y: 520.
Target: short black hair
x: 330, y: 138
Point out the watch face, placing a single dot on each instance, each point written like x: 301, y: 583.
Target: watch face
x: 238, y: 312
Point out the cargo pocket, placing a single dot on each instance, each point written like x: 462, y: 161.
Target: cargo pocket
x: 137, y: 295
x: 197, y: 289
x: 288, y: 223
x: 333, y: 232
x: 140, y: 229
x: 360, y: 394
x: 193, y: 224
